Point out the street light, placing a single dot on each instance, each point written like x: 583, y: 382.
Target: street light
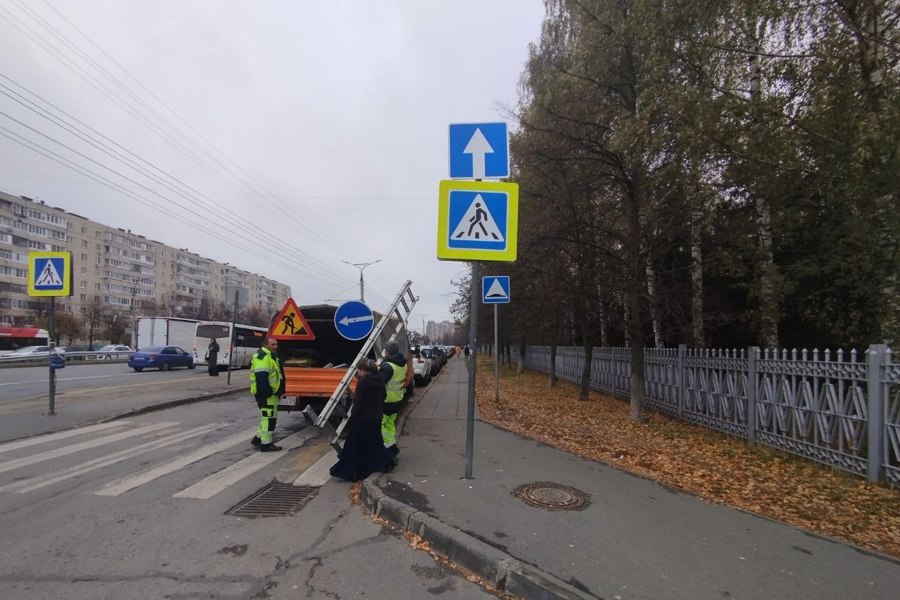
x: 361, y: 267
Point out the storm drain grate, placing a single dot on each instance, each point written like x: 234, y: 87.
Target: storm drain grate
x: 274, y: 500
x: 552, y: 496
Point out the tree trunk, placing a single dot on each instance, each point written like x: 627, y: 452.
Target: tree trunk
x: 522, y: 350
x: 767, y: 272
x: 585, y: 389
x: 699, y: 339
x: 551, y: 375
x: 604, y: 318
x: 654, y: 309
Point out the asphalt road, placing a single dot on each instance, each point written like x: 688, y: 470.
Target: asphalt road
x: 136, y: 509
x: 20, y: 383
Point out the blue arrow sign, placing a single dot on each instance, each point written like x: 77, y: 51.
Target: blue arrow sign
x: 495, y: 289
x: 354, y: 320
x: 479, y: 151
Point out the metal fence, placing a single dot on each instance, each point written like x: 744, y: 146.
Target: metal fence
x: 838, y: 408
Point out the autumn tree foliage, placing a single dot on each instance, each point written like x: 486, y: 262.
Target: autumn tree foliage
x: 718, y: 173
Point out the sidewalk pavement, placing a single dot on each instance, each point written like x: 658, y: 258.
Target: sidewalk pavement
x: 633, y: 539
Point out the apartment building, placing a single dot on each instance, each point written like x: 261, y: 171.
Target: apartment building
x: 116, y: 272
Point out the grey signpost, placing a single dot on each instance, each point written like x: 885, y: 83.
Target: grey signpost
x: 477, y: 221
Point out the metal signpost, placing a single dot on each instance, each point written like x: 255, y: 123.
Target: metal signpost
x: 477, y: 221
x: 50, y: 275
x: 495, y: 290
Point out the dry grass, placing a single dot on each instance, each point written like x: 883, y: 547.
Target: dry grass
x: 707, y: 464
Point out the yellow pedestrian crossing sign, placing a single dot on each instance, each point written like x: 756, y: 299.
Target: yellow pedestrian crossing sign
x: 49, y: 274
x: 478, y: 220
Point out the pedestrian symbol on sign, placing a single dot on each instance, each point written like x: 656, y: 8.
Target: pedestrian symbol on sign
x: 49, y: 276
x: 477, y: 223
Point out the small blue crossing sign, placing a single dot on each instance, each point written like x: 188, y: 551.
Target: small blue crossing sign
x: 495, y: 289
x: 49, y: 274
x: 478, y: 220
x: 354, y: 320
x: 479, y: 151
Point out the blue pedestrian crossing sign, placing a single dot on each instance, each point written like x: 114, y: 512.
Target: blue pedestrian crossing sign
x: 495, y: 289
x: 479, y: 151
x: 354, y: 320
x: 49, y: 274
x: 478, y: 220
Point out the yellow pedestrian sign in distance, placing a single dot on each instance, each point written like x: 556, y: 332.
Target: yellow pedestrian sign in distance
x: 478, y: 220
x: 49, y: 274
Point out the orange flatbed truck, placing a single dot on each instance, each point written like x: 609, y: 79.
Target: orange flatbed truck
x: 313, y: 369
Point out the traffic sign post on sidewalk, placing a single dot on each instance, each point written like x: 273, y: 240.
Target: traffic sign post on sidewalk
x: 477, y: 221
x: 49, y: 276
x: 495, y: 290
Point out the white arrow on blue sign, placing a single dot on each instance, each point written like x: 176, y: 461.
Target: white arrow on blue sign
x: 479, y: 151
x: 495, y: 289
x: 354, y: 320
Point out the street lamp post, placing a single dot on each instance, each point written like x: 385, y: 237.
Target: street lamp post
x: 361, y: 267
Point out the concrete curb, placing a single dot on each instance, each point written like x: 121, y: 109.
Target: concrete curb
x: 142, y: 410
x: 503, y: 571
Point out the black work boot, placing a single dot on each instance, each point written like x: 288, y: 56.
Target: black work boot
x: 269, y: 448
x: 255, y: 441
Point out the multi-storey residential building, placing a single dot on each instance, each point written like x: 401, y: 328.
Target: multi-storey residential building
x: 115, y: 271
x: 440, y: 332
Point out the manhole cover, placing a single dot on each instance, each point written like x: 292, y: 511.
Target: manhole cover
x: 275, y: 500
x: 552, y: 496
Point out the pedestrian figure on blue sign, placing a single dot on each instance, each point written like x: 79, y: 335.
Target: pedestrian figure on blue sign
x: 479, y: 216
x: 47, y: 277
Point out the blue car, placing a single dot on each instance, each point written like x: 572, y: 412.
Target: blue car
x: 160, y: 357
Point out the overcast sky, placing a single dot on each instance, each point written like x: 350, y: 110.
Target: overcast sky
x: 325, y: 123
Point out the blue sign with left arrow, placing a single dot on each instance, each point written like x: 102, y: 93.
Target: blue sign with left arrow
x: 354, y: 320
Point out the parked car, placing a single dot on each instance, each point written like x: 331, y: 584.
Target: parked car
x: 29, y: 351
x: 421, y: 367
x: 160, y: 357
x: 432, y: 357
x: 112, y: 351
x: 75, y: 352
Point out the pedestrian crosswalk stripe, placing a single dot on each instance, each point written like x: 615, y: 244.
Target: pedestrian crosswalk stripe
x: 125, y: 484
x: 67, y: 450
x: 51, y: 437
x: 218, y: 482
x: 40, y: 481
x: 318, y: 474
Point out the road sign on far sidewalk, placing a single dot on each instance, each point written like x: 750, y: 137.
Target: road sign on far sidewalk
x: 49, y: 274
x: 495, y: 289
x: 479, y: 151
x: 354, y: 320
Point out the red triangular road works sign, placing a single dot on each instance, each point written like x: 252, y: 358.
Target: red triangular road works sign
x: 290, y: 324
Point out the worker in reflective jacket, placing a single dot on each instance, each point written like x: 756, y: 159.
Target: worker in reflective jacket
x: 393, y: 372
x: 266, y: 386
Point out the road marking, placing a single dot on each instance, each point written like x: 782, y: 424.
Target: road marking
x: 318, y: 474
x: 51, y: 437
x: 218, y: 482
x: 128, y: 385
x: 125, y: 484
x: 66, y: 450
x: 58, y: 379
x: 35, y: 483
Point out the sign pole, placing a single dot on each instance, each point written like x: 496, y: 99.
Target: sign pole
x: 233, y: 321
x: 50, y: 324
x: 473, y: 345
x: 496, y: 359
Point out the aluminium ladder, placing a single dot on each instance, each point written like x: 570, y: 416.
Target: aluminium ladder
x: 383, y: 332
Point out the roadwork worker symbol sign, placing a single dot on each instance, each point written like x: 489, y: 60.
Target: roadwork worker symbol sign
x: 290, y: 324
x: 49, y: 274
x: 478, y: 220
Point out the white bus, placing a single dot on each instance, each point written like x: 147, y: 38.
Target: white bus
x: 247, y: 340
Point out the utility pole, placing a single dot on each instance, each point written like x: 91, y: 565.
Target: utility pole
x: 361, y: 267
